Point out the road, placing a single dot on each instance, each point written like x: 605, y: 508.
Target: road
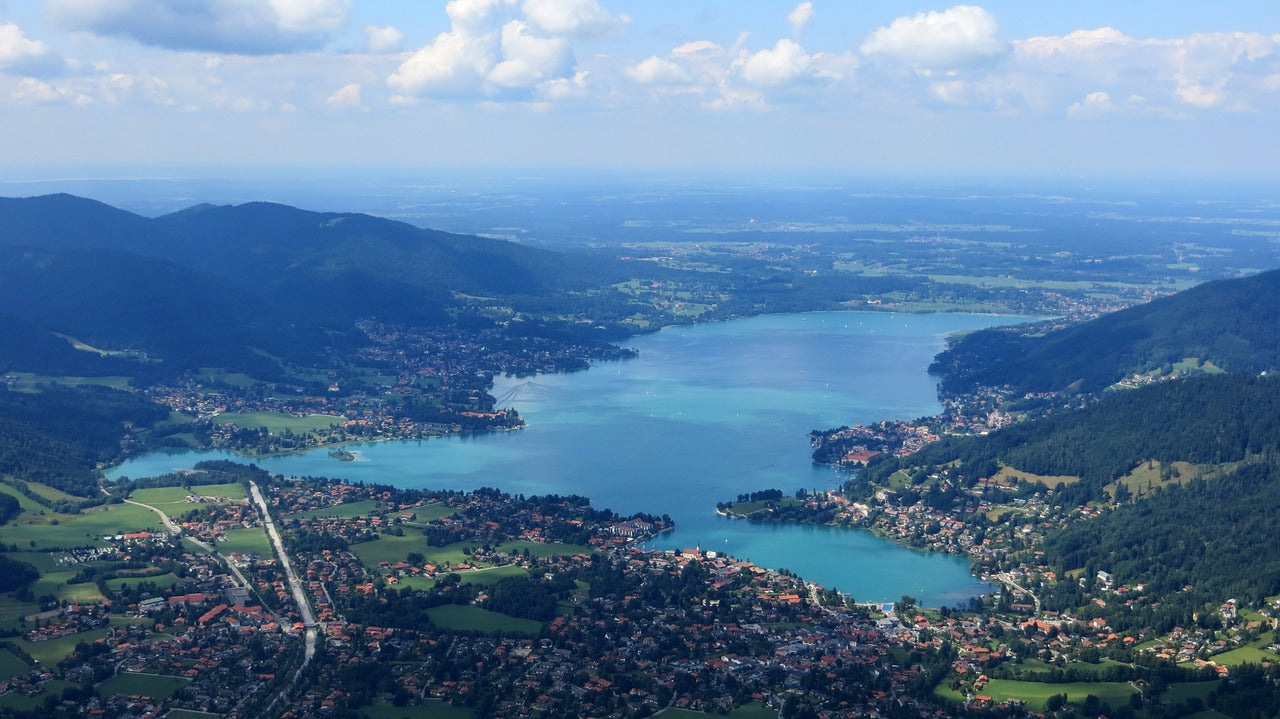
x: 1006, y: 578
x: 295, y: 586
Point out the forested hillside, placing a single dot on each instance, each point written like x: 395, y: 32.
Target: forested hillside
x: 58, y: 437
x: 1203, y: 420
x: 1233, y: 324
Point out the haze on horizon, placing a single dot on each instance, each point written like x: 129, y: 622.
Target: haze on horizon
x: 1096, y: 89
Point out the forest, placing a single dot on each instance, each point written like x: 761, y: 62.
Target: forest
x: 1207, y: 420
x: 1232, y: 324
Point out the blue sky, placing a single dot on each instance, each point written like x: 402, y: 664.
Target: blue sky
x: 1085, y: 89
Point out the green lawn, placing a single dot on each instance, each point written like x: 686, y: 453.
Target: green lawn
x: 389, y: 548
x: 11, y: 665
x: 1035, y: 693
x: 753, y: 710
x: 23, y: 703
x: 49, y: 493
x: 12, y: 611
x: 245, y: 540
x: 277, y: 423
x: 350, y: 509
x: 1181, y: 692
x: 428, y: 512
x: 190, y: 714
x: 1239, y: 656
x: 27, y: 504
x: 156, y: 686
x: 544, y: 549
x: 469, y: 618
x: 29, y: 379
x: 162, y: 581
x: 55, y: 650
x: 429, y: 710
x: 484, y: 577
x: 78, y: 530
x: 173, y: 500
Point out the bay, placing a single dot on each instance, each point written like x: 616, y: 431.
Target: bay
x: 705, y: 412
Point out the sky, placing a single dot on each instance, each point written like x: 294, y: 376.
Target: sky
x: 1092, y: 88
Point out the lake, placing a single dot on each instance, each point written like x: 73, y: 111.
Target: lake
x: 704, y: 413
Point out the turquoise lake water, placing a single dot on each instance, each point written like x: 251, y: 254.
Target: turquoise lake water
x: 704, y: 413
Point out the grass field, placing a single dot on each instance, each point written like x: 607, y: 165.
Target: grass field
x: 389, y: 548
x: 277, y: 423
x: 746, y: 711
x: 350, y: 509
x: 1240, y: 655
x: 190, y: 714
x: 11, y: 665
x: 155, y: 686
x: 50, y: 494
x: 163, y: 581
x: 12, y: 611
x: 29, y: 379
x: 248, y: 539
x: 55, y: 650
x: 1181, y: 692
x: 173, y: 500
x: 428, y: 512
x: 468, y: 618
x: 544, y: 549
x: 429, y: 710
x: 78, y: 530
x: 1052, y: 482
x: 23, y: 703
x: 1035, y: 693
x: 27, y: 504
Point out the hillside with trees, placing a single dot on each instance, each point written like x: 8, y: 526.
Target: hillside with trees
x: 1232, y: 324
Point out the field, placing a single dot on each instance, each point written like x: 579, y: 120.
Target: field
x: 1052, y: 482
x: 468, y: 618
x: 23, y: 703
x: 78, y: 530
x: 29, y: 379
x: 746, y: 711
x: 429, y: 710
x: 1240, y: 655
x: 162, y: 581
x: 1181, y: 692
x: 156, y: 686
x: 55, y: 650
x: 190, y: 714
x: 277, y: 423
x: 544, y: 549
x: 1035, y: 693
x: 428, y: 512
x: 350, y: 509
x: 248, y: 539
x: 11, y: 665
x: 173, y: 500
x: 389, y: 548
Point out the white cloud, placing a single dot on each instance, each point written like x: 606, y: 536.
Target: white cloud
x: 529, y: 59
x: 454, y: 63
x: 346, y: 97
x: 782, y: 65
x: 960, y: 36
x: 800, y: 17
x: 383, y: 39
x: 24, y: 56
x: 561, y: 88
x: 234, y: 26
x: 571, y: 17
x: 502, y: 48
x: 658, y: 71
x: 1094, y: 104
x: 31, y: 91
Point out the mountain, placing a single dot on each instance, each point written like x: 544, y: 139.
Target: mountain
x: 1232, y: 324
x: 230, y: 286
